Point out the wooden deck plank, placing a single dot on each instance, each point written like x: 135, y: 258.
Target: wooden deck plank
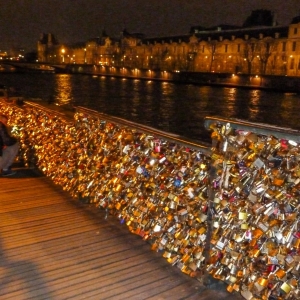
x: 50, y: 226
x: 54, y: 247
x: 53, y: 263
x: 69, y: 275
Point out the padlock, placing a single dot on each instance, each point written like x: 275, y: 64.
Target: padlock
x: 261, y: 283
x: 202, y: 218
x: 221, y: 243
x: 243, y: 216
x: 285, y: 287
x: 235, y: 255
x: 245, y: 226
x: 246, y: 294
x: 263, y: 226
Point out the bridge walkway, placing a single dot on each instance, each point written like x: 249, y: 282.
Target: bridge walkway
x: 54, y: 247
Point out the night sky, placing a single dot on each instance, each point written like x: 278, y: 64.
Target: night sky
x: 23, y: 21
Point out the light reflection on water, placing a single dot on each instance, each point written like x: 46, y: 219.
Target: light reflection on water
x: 254, y: 104
x: 176, y: 108
x: 63, y: 89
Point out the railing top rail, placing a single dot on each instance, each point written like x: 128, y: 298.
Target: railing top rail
x: 258, y: 128
x: 204, y: 148
x: 149, y: 130
x: 63, y: 113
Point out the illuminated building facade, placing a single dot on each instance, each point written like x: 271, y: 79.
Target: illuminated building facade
x: 260, y: 46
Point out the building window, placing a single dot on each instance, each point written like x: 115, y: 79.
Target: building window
x: 292, y: 64
x: 283, y: 46
x: 238, y: 47
x: 294, y: 46
x: 295, y: 30
x: 226, y: 48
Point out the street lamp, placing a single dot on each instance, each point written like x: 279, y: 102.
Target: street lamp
x: 85, y: 55
x: 63, y: 54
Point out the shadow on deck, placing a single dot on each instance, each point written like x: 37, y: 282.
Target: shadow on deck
x: 54, y: 247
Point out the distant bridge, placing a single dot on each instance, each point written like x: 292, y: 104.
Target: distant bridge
x: 27, y: 67
x: 47, y: 67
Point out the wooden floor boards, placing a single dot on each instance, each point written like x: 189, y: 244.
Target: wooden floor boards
x: 54, y: 247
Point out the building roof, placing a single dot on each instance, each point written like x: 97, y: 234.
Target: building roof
x: 252, y: 32
x: 296, y: 20
x: 214, y: 33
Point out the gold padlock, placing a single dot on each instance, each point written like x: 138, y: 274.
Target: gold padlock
x: 285, y: 287
x: 257, y: 233
x: 230, y: 288
x: 201, y: 230
x: 244, y: 226
x: 280, y: 273
x: 243, y: 216
x: 278, y: 181
x: 262, y: 281
x: 296, y: 243
x: 232, y: 279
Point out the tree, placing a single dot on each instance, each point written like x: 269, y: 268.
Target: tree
x: 265, y: 49
x: 260, y: 17
x: 249, y: 52
x: 212, y: 46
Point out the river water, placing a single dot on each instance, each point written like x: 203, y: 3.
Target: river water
x: 174, y: 108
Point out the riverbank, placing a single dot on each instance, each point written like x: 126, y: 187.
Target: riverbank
x: 286, y: 84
